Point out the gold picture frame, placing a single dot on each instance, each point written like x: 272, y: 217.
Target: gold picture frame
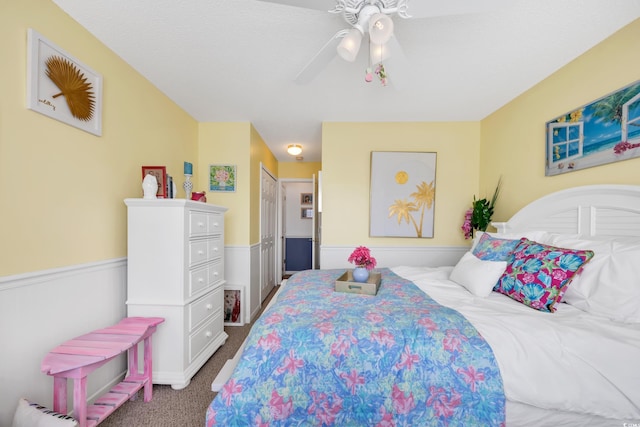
x: 61, y: 87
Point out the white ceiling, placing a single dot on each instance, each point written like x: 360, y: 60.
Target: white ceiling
x: 226, y: 61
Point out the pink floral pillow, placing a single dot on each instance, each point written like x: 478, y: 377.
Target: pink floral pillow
x: 491, y: 248
x: 537, y: 275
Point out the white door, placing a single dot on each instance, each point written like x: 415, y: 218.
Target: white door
x: 268, y: 204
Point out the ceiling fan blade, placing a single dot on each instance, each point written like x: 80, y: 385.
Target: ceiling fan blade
x: 324, y: 5
x: 431, y: 8
x: 320, y: 59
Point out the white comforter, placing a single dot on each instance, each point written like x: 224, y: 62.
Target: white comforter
x: 567, y: 360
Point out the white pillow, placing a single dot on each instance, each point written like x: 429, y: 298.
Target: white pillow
x: 609, y: 284
x: 33, y: 415
x: 477, y: 276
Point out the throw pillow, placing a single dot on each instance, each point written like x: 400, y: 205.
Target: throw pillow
x: 608, y: 285
x: 491, y: 248
x: 30, y: 414
x: 537, y: 275
x: 477, y: 276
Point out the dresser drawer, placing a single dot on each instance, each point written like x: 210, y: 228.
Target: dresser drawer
x: 199, y: 279
x: 215, y: 247
x: 216, y: 271
x: 205, y: 307
x: 216, y: 223
x: 198, y: 223
x: 199, y: 340
x: 198, y: 252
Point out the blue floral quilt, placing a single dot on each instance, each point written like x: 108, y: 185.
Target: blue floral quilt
x: 322, y: 358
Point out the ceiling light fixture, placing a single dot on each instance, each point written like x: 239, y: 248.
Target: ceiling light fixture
x: 372, y: 19
x: 294, y: 149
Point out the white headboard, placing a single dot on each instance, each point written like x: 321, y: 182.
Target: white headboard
x: 591, y: 210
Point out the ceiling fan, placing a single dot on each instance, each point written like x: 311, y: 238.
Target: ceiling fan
x: 371, y: 20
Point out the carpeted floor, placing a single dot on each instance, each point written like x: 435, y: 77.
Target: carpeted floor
x: 186, y: 407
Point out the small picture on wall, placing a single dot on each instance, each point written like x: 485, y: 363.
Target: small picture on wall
x: 306, y: 198
x: 306, y: 213
x: 160, y: 172
x: 222, y: 178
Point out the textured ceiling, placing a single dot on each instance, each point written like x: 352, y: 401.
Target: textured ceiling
x: 237, y: 60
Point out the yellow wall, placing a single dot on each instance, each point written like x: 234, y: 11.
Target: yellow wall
x: 346, y: 174
x: 513, y: 138
x: 62, y: 189
x: 303, y: 170
x: 236, y: 143
x: 228, y: 144
x: 260, y: 155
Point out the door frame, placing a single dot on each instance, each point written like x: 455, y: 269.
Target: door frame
x: 280, y: 223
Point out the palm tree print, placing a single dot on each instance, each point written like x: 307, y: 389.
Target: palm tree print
x: 423, y: 200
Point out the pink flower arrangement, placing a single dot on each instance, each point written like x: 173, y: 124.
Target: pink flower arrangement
x: 466, y: 226
x: 361, y: 257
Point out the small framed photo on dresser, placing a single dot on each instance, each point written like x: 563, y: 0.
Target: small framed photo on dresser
x: 160, y: 172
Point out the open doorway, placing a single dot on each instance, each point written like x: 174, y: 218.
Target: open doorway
x: 297, y: 225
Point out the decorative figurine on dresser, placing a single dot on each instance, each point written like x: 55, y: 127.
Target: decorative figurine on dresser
x: 176, y: 271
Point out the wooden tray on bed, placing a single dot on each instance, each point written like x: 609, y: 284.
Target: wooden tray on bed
x: 345, y: 283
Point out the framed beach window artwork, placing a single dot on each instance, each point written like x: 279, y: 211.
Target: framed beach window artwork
x: 604, y: 131
x: 402, y: 194
x: 222, y: 178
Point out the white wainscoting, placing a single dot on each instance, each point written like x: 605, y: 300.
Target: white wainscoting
x: 393, y: 256
x: 242, y: 268
x: 40, y: 310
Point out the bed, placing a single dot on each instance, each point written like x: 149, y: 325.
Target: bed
x: 536, y: 325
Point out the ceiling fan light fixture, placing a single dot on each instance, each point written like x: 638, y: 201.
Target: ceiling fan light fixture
x: 379, y: 52
x: 350, y: 45
x: 294, y: 149
x: 380, y: 28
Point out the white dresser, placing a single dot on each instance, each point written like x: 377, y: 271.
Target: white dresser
x: 176, y: 271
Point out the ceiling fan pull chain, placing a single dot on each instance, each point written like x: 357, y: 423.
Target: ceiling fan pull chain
x: 368, y: 74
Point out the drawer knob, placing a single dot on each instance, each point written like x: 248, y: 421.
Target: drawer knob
x: 201, y: 224
x: 208, y: 334
x: 215, y: 224
x: 215, y: 274
x: 215, y: 249
x: 209, y: 306
x: 200, y: 252
x: 200, y: 280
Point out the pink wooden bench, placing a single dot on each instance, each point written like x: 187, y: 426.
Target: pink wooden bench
x: 78, y: 357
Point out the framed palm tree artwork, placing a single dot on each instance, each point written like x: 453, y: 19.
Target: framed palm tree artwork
x: 61, y: 87
x: 403, y: 193
x: 603, y: 131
